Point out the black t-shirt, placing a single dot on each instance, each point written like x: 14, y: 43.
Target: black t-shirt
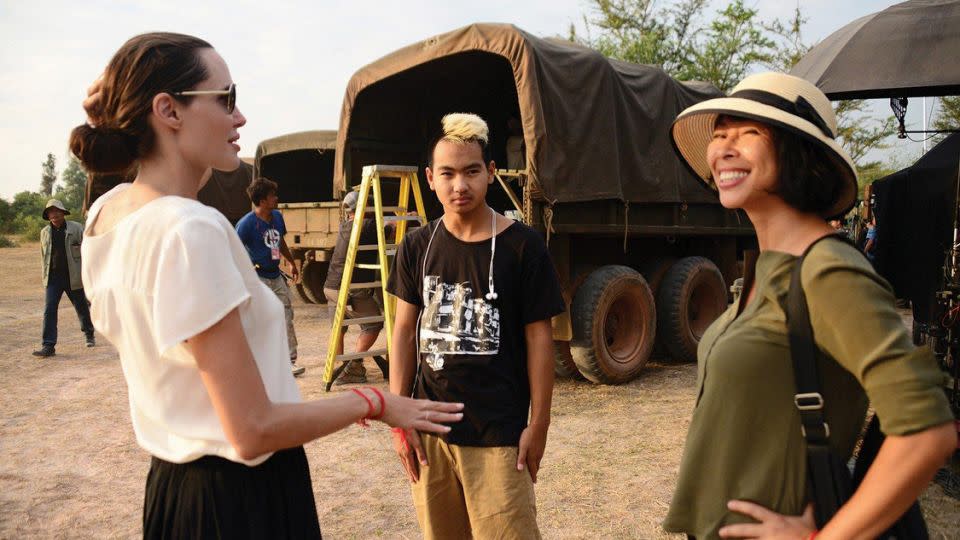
x: 58, y: 251
x: 473, y: 350
x: 368, y: 236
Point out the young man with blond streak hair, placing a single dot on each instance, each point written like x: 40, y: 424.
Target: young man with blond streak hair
x: 476, y: 292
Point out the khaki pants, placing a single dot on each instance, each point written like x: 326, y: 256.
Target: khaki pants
x: 279, y: 287
x: 474, y: 492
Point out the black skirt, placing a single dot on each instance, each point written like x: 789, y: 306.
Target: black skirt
x: 213, y: 497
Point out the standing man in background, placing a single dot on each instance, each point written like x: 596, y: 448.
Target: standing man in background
x: 60, y: 252
x: 261, y: 231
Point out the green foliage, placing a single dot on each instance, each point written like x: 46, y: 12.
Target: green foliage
x: 725, y: 50
x: 721, y: 52
x: 7, y: 242
x: 859, y: 134
x: 875, y: 170
x: 29, y: 203
x: 48, y: 176
x: 789, y: 38
x: 7, y: 215
x: 636, y: 31
x: 29, y: 227
x: 948, y: 116
x: 732, y: 44
x: 74, y: 180
x: 25, y: 215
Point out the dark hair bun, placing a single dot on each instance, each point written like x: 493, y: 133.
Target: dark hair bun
x: 102, y: 149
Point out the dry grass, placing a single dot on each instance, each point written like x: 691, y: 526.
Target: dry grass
x: 70, y: 468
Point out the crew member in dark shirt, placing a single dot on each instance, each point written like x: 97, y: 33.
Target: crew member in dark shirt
x: 60, y: 257
x: 475, y: 293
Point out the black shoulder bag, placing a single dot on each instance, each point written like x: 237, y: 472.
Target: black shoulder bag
x: 830, y: 479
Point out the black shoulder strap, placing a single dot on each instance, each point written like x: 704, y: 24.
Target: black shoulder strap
x: 829, y: 478
x: 803, y: 350
x: 829, y: 491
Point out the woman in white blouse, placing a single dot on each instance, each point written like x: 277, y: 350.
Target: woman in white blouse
x: 202, y: 342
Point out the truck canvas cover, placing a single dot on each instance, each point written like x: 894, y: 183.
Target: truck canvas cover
x: 301, y: 163
x: 594, y: 128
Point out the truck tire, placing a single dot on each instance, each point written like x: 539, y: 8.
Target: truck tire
x: 302, y: 293
x: 314, y: 274
x: 692, y: 295
x: 654, y: 270
x: 614, y: 324
x: 563, y: 365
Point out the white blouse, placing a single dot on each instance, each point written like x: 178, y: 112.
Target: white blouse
x: 163, y: 274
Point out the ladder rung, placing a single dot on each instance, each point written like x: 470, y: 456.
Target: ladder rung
x: 358, y: 355
x: 403, y: 218
x: 389, y: 252
x: 362, y: 320
x: 384, y: 170
x: 365, y: 266
x: 373, y: 247
x: 373, y: 209
x: 368, y: 285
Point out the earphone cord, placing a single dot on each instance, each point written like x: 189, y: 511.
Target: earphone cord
x: 423, y: 281
x: 491, y: 292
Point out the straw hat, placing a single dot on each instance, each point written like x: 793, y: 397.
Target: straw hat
x: 54, y: 203
x: 777, y: 99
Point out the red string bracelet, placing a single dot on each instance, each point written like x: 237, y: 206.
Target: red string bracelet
x: 383, y: 403
x: 370, y: 408
x: 813, y: 535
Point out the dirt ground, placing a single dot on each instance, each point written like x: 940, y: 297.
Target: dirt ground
x: 70, y: 467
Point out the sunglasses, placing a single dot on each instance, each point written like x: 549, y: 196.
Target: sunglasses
x: 231, y: 94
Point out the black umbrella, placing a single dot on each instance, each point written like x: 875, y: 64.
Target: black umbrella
x: 907, y: 50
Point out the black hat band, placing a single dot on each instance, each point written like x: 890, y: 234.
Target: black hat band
x: 800, y: 108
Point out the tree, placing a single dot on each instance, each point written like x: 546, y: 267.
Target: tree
x: 74, y: 180
x: 733, y: 44
x: 633, y: 30
x: 7, y: 215
x: 948, y: 116
x: 49, y: 175
x: 790, y: 46
x: 721, y: 52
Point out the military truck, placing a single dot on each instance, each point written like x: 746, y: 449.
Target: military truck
x: 225, y: 191
x: 643, y: 250
x: 302, y: 165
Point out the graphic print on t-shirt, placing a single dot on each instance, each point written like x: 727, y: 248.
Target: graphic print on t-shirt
x: 454, y: 322
x: 271, y: 239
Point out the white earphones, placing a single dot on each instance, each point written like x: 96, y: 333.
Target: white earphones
x: 492, y: 294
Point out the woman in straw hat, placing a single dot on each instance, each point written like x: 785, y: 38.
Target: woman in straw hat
x: 202, y: 341
x: 769, y: 149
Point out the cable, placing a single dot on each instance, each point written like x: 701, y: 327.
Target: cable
x: 492, y: 293
x: 423, y: 281
x: 908, y: 137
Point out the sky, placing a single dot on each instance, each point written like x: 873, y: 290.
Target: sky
x: 291, y: 59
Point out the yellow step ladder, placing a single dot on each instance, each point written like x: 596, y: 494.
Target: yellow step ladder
x: 372, y: 178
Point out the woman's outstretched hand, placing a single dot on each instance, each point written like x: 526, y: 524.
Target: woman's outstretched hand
x: 771, y: 525
x: 420, y: 414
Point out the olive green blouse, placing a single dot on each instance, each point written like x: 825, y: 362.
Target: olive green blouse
x: 744, y: 440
